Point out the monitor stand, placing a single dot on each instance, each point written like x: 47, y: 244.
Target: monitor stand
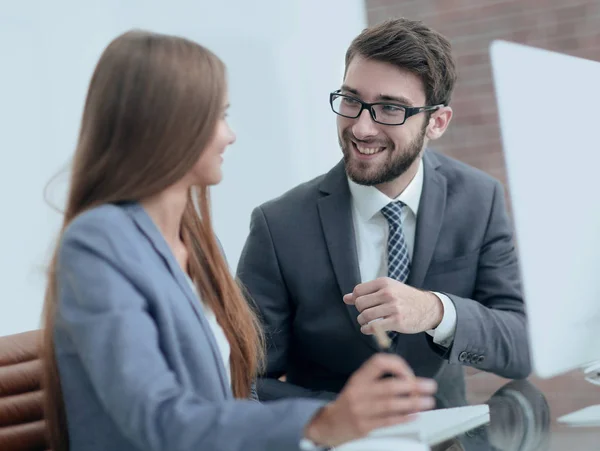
x: 588, y: 416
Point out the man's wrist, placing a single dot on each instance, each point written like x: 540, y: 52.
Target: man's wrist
x: 435, y: 312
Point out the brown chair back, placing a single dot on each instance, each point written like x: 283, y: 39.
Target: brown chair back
x: 22, y: 424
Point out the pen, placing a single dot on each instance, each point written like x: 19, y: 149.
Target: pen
x: 385, y: 345
x: 383, y: 340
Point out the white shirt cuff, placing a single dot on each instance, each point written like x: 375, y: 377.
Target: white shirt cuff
x: 443, y: 335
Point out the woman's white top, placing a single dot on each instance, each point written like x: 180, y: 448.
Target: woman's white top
x: 217, y: 331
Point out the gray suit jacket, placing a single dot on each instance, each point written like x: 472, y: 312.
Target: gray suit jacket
x: 139, y: 366
x: 300, y: 259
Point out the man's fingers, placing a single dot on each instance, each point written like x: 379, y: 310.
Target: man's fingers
x: 372, y: 286
x: 386, y: 324
x: 364, y: 301
x: 349, y: 299
x: 368, y: 301
x: 373, y: 313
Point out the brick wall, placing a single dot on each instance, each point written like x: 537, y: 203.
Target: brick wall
x: 568, y: 26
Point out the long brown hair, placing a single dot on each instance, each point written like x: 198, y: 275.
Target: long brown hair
x: 152, y: 107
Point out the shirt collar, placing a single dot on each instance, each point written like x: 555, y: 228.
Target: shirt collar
x: 369, y: 200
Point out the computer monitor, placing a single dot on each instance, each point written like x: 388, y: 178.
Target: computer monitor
x: 549, y: 110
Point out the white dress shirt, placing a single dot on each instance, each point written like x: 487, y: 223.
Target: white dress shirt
x: 371, y: 232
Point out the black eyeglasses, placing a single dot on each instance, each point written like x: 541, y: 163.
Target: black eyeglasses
x: 384, y: 113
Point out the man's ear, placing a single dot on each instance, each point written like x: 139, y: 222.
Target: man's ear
x: 438, y: 122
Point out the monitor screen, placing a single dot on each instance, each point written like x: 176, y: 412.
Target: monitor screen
x: 549, y: 111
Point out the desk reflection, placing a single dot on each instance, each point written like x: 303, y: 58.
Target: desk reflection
x: 519, y: 421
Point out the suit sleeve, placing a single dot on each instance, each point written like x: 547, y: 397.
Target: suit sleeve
x: 108, y: 319
x: 259, y: 273
x: 491, y: 329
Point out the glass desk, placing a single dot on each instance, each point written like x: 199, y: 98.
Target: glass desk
x: 523, y: 413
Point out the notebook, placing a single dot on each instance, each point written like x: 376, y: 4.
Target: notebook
x: 436, y: 426
x: 383, y: 444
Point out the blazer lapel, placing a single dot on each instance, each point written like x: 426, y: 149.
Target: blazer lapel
x: 429, y: 219
x: 335, y: 211
x: 148, y: 227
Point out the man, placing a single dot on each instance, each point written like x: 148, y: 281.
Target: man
x: 395, y: 233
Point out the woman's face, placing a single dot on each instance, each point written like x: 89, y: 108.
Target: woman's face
x: 207, y: 170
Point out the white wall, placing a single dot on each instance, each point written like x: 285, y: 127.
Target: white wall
x: 284, y: 57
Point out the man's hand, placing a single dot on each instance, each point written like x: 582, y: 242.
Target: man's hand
x: 397, y: 306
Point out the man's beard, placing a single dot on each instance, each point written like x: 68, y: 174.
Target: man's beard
x: 396, y: 164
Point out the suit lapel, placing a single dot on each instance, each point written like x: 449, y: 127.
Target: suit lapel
x: 429, y: 220
x: 335, y: 211
x: 147, y: 226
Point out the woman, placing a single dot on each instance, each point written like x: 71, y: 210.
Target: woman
x: 149, y: 343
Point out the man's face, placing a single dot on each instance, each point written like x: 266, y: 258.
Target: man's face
x: 376, y: 153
